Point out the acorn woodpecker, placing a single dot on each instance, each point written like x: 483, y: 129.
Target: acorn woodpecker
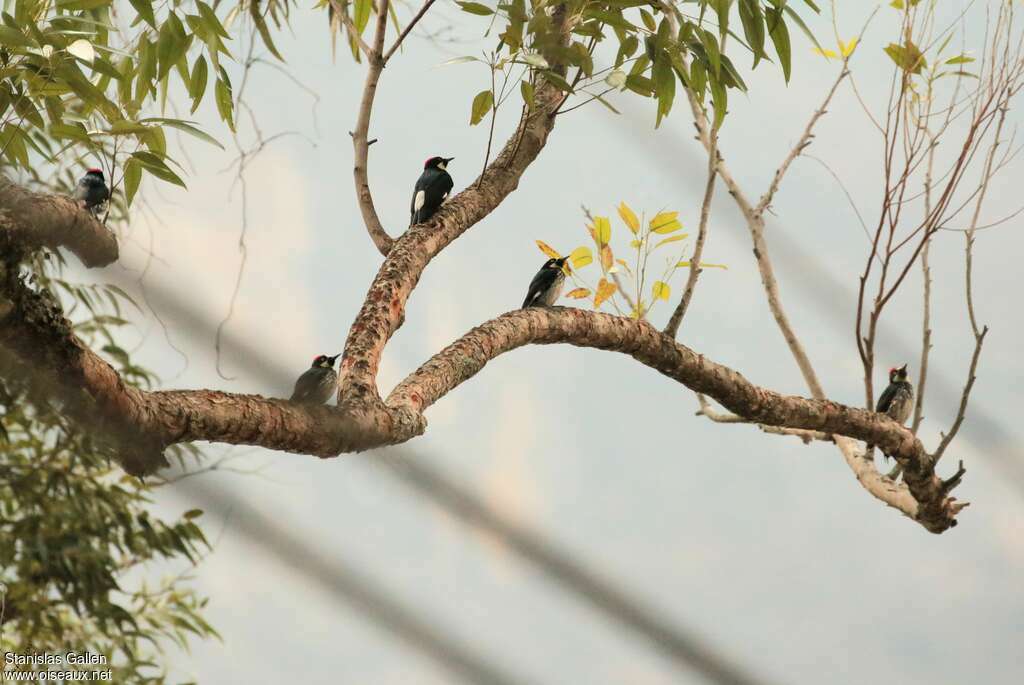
x: 91, y: 191
x: 431, y: 190
x: 318, y: 383
x: 897, y: 400
x: 546, y: 286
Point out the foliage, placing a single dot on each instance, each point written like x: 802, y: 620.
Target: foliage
x: 622, y: 283
x: 75, y: 532
x: 87, y: 76
x: 655, y: 46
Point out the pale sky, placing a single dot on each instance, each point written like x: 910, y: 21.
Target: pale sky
x: 767, y: 548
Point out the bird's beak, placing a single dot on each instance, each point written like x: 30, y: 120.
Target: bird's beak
x: 903, y: 369
x: 448, y: 159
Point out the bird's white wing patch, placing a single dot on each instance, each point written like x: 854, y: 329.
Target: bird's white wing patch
x: 445, y: 197
x: 418, y: 201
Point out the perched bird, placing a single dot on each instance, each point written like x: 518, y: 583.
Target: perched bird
x: 92, y: 190
x: 318, y: 383
x: 546, y: 286
x: 431, y: 190
x: 897, y: 400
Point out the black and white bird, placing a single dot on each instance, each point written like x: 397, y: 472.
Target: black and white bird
x: 897, y: 400
x: 318, y: 383
x: 92, y: 191
x: 431, y: 190
x: 546, y: 286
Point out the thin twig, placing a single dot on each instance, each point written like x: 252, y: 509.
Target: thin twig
x: 408, y: 28
x: 360, y: 173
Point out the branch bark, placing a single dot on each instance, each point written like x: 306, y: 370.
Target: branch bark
x: 375, y: 64
x: 39, y: 220
x: 922, y: 498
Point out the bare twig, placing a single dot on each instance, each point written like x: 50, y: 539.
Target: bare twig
x: 672, y: 329
x: 408, y: 28
x: 375, y: 60
x: 806, y: 436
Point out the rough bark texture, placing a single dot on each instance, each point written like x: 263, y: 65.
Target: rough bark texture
x: 384, y: 307
x: 464, y: 358
x: 38, y: 220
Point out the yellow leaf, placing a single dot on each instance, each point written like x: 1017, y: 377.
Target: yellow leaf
x: 622, y: 263
x: 605, y: 289
x: 661, y: 291
x: 629, y: 217
x: 704, y: 265
x: 827, y: 54
x: 548, y: 250
x: 847, y: 48
x: 602, y: 232
x: 671, y: 239
x: 578, y: 293
x: 634, y: 243
x: 665, y: 222
x: 606, y: 257
x: 581, y: 256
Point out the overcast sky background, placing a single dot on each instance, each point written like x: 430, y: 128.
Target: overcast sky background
x: 767, y: 548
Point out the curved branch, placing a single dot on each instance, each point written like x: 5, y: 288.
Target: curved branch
x: 41, y: 220
x: 924, y: 497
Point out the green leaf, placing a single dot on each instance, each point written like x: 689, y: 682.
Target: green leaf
x: 753, y: 26
x: 362, y: 14
x: 720, y: 99
x: 780, y: 38
x: 791, y: 13
x: 197, y: 85
x: 482, y: 104
x: 192, y: 514
x: 144, y: 8
x: 225, y: 102
x: 77, y: 5
x: 156, y: 166
x: 210, y: 19
x: 475, y: 8
x: 526, y: 88
x: 186, y: 127
x: 959, y: 59
x: 10, y: 37
x: 907, y: 56
x: 648, y: 20
x: 710, y: 44
x: 665, y: 87
x: 132, y: 178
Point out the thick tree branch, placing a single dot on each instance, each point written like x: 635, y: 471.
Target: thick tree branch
x: 39, y: 220
x: 375, y: 64
x: 923, y: 498
x: 383, y: 309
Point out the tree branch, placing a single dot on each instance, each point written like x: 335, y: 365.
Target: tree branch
x: 375, y: 64
x: 384, y: 307
x: 39, y: 220
x: 921, y: 498
x: 672, y: 328
x: 807, y: 436
x: 408, y: 28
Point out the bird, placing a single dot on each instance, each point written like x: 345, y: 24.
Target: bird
x: 546, y: 286
x: 431, y: 189
x: 897, y: 400
x: 91, y: 191
x: 318, y: 382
